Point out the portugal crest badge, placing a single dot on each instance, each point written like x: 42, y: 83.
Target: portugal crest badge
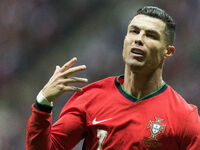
x: 156, y: 127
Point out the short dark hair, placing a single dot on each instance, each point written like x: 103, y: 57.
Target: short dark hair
x: 161, y: 14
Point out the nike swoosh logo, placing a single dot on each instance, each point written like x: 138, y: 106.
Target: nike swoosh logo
x: 97, y: 122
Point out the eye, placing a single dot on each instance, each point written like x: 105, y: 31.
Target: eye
x: 134, y: 31
x: 152, y: 36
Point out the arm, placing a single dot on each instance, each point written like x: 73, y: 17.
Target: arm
x: 40, y: 133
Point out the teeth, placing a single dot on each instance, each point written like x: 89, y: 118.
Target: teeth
x: 137, y: 51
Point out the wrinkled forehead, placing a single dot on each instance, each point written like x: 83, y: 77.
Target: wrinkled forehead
x: 148, y: 23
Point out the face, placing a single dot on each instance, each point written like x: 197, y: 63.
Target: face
x: 144, y: 45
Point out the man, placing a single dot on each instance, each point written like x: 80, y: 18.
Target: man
x: 135, y: 111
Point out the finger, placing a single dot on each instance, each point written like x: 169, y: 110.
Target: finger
x: 72, y: 89
x: 73, y: 70
x: 69, y: 64
x: 57, y: 69
x: 74, y: 80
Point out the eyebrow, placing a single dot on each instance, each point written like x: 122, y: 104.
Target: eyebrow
x: 148, y: 31
x: 134, y: 27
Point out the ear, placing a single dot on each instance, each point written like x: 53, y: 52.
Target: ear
x: 169, y: 51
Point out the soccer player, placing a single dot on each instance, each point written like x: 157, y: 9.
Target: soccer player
x: 134, y: 111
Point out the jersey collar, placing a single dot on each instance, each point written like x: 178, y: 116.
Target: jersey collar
x: 119, y: 81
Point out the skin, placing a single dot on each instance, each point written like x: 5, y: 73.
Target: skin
x: 143, y: 73
x: 61, y: 80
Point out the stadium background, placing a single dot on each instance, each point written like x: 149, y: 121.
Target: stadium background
x: 37, y: 35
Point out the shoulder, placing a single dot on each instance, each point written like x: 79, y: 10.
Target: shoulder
x: 184, y: 116
x: 91, y: 93
x: 93, y: 89
x: 104, y: 83
x: 180, y: 104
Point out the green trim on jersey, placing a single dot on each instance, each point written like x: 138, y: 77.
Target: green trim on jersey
x: 132, y: 97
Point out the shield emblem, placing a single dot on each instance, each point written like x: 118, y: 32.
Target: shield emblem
x: 156, y: 128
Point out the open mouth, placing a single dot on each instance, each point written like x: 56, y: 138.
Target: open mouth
x: 137, y: 51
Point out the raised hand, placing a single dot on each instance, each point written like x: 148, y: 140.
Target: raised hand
x: 59, y: 82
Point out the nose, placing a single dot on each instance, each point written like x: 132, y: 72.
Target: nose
x: 138, y: 40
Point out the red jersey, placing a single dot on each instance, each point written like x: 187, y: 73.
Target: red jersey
x: 109, y: 118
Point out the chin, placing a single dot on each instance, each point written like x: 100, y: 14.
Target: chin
x: 135, y: 63
x: 135, y: 67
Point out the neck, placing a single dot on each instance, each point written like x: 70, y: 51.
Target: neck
x: 139, y: 84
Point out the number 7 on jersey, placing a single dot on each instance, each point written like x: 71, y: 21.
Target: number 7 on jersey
x: 101, y: 134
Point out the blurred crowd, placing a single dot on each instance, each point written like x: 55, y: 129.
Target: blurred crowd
x: 37, y: 35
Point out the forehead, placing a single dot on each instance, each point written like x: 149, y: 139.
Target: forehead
x: 148, y: 23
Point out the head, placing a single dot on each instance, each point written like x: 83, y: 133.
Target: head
x: 149, y: 40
